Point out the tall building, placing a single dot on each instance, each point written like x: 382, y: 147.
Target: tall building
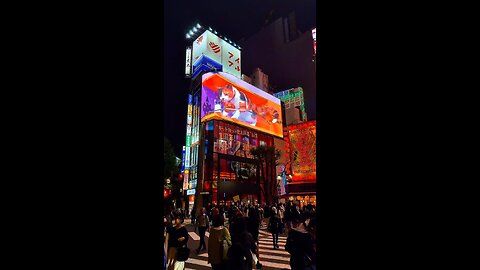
x: 227, y: 117
x: 260, y: 80
x: 275, y: 47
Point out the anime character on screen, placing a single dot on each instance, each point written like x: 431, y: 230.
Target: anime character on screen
x: 238, y: 106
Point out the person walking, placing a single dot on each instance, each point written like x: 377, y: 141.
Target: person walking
x: 281, y: 212
x: 260, y: 211
x: 177, y: 237
x: 236, y: 219
x: 215, y: 243
x: 274, y: 227
x: 300, y: 245
x: 164, y: 238
x: 231, y: 214
x: 288, y: 215
x: 253, y: 223
x: 243, y: 254
x: 203, y: 223
x: 193, y: 214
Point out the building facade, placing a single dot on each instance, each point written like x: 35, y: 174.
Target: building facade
x: 294, y: 108
x: 227, y: 116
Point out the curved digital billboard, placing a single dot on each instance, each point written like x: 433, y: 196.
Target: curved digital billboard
x: 226, y: 97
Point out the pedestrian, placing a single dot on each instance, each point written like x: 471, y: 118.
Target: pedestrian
x: 274, y: 227
x: 231, y: 214
x: 215, y: 243
x: 253, y: 223
x: 300, y: 245
x: 177, y: 238
x: 164, y: 238
x: 170, y: 216
x: 243, y: 254
x: 312, y: 230
x: 281, y: 212
x: 193, y: 214
x: 203, y: 223
x: 266, y: 210
x: 235, y: 220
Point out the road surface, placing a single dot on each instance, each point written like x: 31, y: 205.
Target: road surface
x: 270, y: 258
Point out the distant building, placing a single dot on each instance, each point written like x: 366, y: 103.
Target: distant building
x: 286, y: 55
x: 294, y: 105
x: 247, y: 79
x: 260, y: 80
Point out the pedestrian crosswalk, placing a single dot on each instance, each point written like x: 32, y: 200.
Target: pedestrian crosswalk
x: 269, y: 257
x: 194, y: 236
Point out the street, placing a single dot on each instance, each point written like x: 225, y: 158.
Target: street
x: 270, y: 258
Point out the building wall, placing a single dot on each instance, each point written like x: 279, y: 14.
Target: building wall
x: 293, y: 100
x: 270, y: 50
x: 228, y: 159
x: 247, y: 79
x: 260, y: 80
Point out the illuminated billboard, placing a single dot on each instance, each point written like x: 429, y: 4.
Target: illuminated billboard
x: 314, y: 35
x: 303, y: 149
x: 226, y: 97
x: 188, y: 62
x: 219, y: 54
x: 188, y: 143
x: 205, y: 63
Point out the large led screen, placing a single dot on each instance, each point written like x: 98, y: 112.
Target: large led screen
x: 226, y: 97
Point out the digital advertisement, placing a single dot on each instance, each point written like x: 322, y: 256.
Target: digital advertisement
x: 303, y: 151
x: 226, y: 97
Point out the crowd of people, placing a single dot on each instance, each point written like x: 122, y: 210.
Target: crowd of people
x: 233, y: 244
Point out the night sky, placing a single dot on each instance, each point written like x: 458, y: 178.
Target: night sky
x: 236, y: 21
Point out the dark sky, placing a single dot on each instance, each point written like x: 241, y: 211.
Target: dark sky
x: 235, y: 20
